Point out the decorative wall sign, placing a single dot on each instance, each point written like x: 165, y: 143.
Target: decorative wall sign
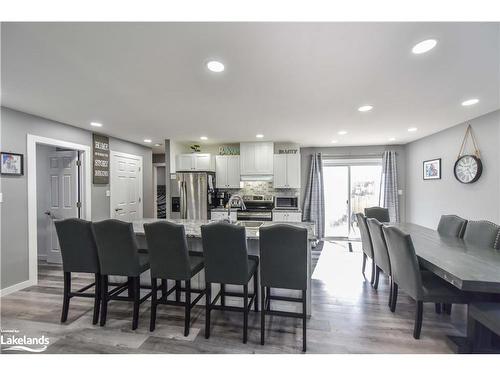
x: 229, y: 150
x: 288, y: 151
x: 11, y: 164
x: 100, y: 166
x: 468, y: 168
x: 432, y: 169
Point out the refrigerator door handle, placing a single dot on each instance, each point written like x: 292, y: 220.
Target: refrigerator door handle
x: 184, y: 197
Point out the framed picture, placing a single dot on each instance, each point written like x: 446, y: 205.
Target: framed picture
x: 11, y: 164
x: 432, y: 169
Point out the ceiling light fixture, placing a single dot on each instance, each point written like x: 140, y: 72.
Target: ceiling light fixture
x: 424, y: 46
x: 157, y: 144
x: 342, y: 132
x: 203, y: 138
x: 365, y: 108
x: 470, y: 102
x: 215, y: 66
x: 259, y: 136
x: 335, y: 141
x: 412, y: 129
x: 147, y: 140
x: 96, y: 124
x: 392, y: 139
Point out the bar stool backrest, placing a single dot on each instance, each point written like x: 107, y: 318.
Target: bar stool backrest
x: 366, y: 241
x: 225, y: 252
x: 482, y: 233
x: 380, y: 252
x: 404, y: 263
x: 117, y: 248
x: 451, y: 225
x: 379, y: 213
x: 168, y: 250
x: 78, y: 246
x: 283, y: 256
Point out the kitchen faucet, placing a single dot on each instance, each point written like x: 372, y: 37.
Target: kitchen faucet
x: 234, y: 197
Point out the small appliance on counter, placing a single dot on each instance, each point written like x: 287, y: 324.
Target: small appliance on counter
x: 286, y: 203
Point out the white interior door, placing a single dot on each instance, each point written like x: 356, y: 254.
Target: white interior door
x: 126, y: 186
x: 63, y: 195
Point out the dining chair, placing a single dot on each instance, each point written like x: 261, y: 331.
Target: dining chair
x: 170, y: 259
x: 379, y: 213
x: 482, y: 233
x: 119, y: 256
x: 451, y: 225
x: 79, y: 254
x: 422, y: 286
x: 283, y: 265
x: 380, y: 252
x: 227, y: 262
x: 366, y: 244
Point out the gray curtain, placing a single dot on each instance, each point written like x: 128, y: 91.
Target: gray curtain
x: 314, y: 201
x: 389, y: 185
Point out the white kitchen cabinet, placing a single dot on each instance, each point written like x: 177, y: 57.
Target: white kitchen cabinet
x: 221, y: 215
x: 194, y: 162
x: 256, y: 158
x: 286, y: 171
x: 227, y: 171
x: 284, y: 216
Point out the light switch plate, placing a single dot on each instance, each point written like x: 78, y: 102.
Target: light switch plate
x: 400, y: 192
x: 108, y: 193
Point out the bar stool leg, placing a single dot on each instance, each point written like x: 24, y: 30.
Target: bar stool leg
x: 187, y: 318
x: 304, y: 320
x: 137, y: 297
x: 164, y: 289
x: 208, y: 301
x: 245, y: 313
x: 154, y: 296
x: 223, y: 294
x: 418, y: 319
x: 268, y: 297
x: 97, y: 298
x: 372, y: 280
x: 364, y: 264
x: 177, y: 290
x: 394, y: 296
x: 66, y: 297
x: 390, y: 290
x: 256, y: 290
x: 377, y: 275
x: 438, y: 308
x: 104, y: 299
x: 262, y: 314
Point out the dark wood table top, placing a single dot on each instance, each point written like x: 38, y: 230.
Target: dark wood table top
x: 468, y: 267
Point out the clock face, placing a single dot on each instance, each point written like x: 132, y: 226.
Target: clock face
x: 468, y: 169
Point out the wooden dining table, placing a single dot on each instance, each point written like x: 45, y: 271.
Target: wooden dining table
x: 468, y: 267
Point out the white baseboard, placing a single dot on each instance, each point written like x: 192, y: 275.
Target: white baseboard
x: 16, y: 287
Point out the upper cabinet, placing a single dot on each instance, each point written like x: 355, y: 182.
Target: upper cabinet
x: 256, y: 158
x: 227, y: 171
x: 194, y: 162
x: 286, y: 171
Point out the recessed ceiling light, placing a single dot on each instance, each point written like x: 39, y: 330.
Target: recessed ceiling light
x: 215, y: 66
x: 203, y: 138
x: 412, y: 129
x: 157, y: 144
x: 365, y: 108
x: 342, y: 132
x: 470, y: 102
x: 147, y: 141
x: 96, y: 124
x: 335, y: 141
x: 392, y: 139
x: 424, y: 46
x: 260, y: 136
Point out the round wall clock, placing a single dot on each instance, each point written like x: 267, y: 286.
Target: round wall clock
x: 468, y: 169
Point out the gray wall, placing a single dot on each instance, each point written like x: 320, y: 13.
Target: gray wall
x: 355, y: 152
x: 14, y: 213
x: 426, y: 201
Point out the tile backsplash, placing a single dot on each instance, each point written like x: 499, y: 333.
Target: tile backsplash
x: 263, y: 188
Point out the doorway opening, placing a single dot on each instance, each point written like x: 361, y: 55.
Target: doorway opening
x: 159, y: 191
x: 349, y: 187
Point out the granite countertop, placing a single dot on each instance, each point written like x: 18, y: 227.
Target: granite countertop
x: 193, y: 227
x: 222, y: 209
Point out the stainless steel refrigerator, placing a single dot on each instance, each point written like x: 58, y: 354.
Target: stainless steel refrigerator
x: 196, y: 192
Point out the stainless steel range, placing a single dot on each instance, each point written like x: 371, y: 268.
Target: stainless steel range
x: 258, y: 208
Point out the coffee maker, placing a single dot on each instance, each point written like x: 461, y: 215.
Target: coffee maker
x: 222, y: 197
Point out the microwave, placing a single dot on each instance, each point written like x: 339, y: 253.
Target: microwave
x: 286, y: 203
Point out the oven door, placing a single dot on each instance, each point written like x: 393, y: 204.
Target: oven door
x: 255, y: 215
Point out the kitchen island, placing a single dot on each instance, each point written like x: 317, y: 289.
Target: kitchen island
x: 193, y: 234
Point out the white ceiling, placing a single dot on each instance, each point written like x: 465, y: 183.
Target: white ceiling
x: 297, y: 82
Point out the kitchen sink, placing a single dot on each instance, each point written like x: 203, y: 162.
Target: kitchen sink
x: 250, y: 224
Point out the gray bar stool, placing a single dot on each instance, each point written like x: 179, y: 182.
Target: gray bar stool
x: 170, y: 260
x: 227, y: 262
x: 119, y: 256
x: 366, y: 244
x: 79, y: 254
x: 380, y: 252
x: 379, y: 213
x: 283, y: 264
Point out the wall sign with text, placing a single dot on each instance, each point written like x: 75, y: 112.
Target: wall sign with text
x: 100, y: 152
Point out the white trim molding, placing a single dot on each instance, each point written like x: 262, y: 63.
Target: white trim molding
x: 16, y: 287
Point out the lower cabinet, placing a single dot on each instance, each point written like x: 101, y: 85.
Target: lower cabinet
x: 222, y: 215
x: 292, y: 217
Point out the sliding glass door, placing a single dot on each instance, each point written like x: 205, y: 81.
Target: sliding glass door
x: 349, y: 186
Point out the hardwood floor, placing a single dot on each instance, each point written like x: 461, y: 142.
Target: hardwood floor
x: 348, y: 316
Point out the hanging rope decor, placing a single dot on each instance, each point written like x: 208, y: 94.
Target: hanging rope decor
x: 468, y: 168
